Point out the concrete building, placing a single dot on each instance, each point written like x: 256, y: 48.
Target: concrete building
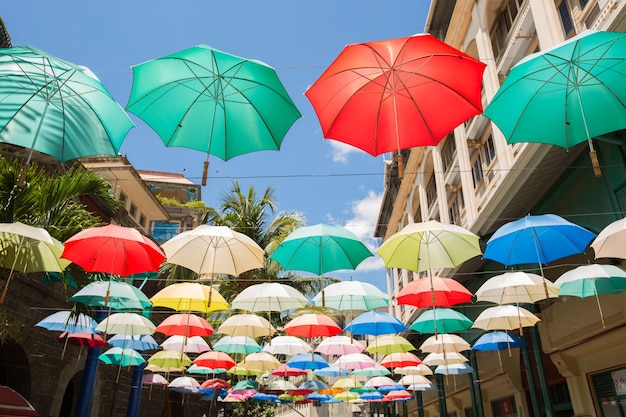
x: 473, y: 178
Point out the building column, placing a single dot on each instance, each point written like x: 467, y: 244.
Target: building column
x: 440, y: 182
x: 547, y: 23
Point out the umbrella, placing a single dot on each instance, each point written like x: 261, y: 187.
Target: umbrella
x: 565, y: 95
x: 192, y: 344
x: 215, y: 383
x: 321, y: 248
x: 315, y: 396
x: 346, y: 384
x: 372, y: 396
x: 246, y: 384
x: 420, y: 369
x: 447, y: 358
x: 284, y: 370
x: 126, y: 323
x: 27, y: 249
x: 51, y: 105
x: 611, y: 241
x: 397, y: 94
x: 497, y: 341
x: 184, y: 384
x: 140, y: 342
x: 269, y: 296
x: 377, y: 370
x: 261, y: 396
x: 386, y: 344
x: 399, y: 360
x: 260, y: 361
x: 313, y: 385
x: 237, y: 344
x: 14, y: 404
x: 505, y: 317
x: 203, y: 370
x: 330, y: 371
x: 413, y: 379
x: 537, y: 240
x: 185, y: 325
x: 209, y: 250
x: 66, y: 321
x: 515, y: 288
x: 441, y: 320
x: 351, y: 295
x: 189, y: 296
x: 113, y: 294
x: 169, y: 360
x: 380, y: 381
x: 429, y: 245
x: 242, y: 370
x: 236, y: 105
x: 113, y: 249
x: 279, y: 385
x: 454, y: 369
x: 444, y: 343
x: 353, y: 361
x: 153, y: 379
x: 307, y: 361
x: 287, y: 345
x: 434, y: 291
x: 375, y: 323
x: 339, y: 345
x: 91, y: 340
x: 399, y: 395
x: 246, y: 325
x: 214, y: 360
x: 592, y: 281
x: 312, y: 325
x: 121, y: 357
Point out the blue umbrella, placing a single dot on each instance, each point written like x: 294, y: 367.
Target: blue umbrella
x: 371, y: 396
x: 330, y: 371
x: 454, y: 369
x: 308, y: 361
x: 537, y: 239
x: 313, y: 384
x: 497, y: 341
x: 389, y: 388
x: 140, y: 342
x: 315, y: 396
x: 261, y: 396
x: 375, y: 323
x: 64, y: 321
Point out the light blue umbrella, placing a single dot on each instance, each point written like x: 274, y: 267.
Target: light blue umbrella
x: 313, y: 384
x: 308, y: 361
x: 372, y: 396
x: 237, y: 344
x: 64, y: 321
x: 454, y: 369
x: 375, y: 323
x: 330, y: 371
x: 316, y: 396
x: 497, y: 341
x: 140, y: 342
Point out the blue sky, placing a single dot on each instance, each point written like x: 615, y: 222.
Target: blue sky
x: 328, y: 182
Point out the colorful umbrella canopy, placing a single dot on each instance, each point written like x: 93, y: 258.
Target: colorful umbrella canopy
x: 246, y: 325
x: 611, y: 241
x: 260, y: 361
x: 375, y: 323
x: 347, y: 383
x: 184, y: 384
x: 312, y: 325
x: 330, y: 371
x: 14, y: 404
x: 353, y: 361
x: 169, y: 360
x: 113, y: 249
x: 429, y: 245
x: 154, y: 379
x: 313, y: 385
x: 214, y: 360
x: 339, y: 345
x: 565, y: 95
x: 203, y: 370
x: 192, y: 344
x: 287, y: 345
x: 236, y: 105
x: 454, y: 369
x: 65, y: 321
x: 386, y: 344
x: 92, y: 340
x: 112, y: 294
x: 140, y: 342
x: 189, y: 296
x: 185, y: 325
x: 284, y: 371
x: 121, y: 357
x: 372, y: 396
x: 434, y: 291
x: 444, y: 343
x: 515, y: 288
x: 308, y: 361
x: 497, y: 341
x: 379, y: 381
x: 27, y: 249
x: 537, y: 240
x: 399, y: 360
x: 446, y: 358
x: 269, y: 296
x: 237, y: 344
x: 399, y: 395
x: 413, y: 379
x: 441, y: 320
x: 505, y: 317
x: 346, y: 396
x: 209, y: 250
x: 373, y: 96
x: 217, y: 383
x: 420, y: 369
x: 126, y: 323
x: 350, y: 296
x: 321, y: 248
x: 51, y: 105
x: 377, y: 370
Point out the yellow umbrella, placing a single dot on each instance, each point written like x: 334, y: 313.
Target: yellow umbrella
x: 387, y: 344
x: 190, y: 296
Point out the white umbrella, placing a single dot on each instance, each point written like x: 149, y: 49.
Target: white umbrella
x: 269, y: 296
x: 516, y: 288
x: 449, y: 358
x: 413, y: 379
x: 246, y: 325
x: 287, y: 345
x: 339, y: 345
x: 611, y: 241
x: 505, y: 317
x: 444, y: 343
x: 420, y: 369
x: 126, y: 323
x: 193, y: 344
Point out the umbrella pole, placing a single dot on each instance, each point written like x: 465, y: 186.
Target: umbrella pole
x: 6, y: 286
x: 592, y: 152
x: 400, y: 164
x: 22, y: 177
x: 599, y: 307
x: 205, y: 170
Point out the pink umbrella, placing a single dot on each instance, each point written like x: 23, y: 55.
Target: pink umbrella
x: 339, y: 345
x: 353, y: 361
x: 312, y: 325
x: 399, y: 395
x: 185, y: 325
x: 400, y: 360
x: 153, y: 379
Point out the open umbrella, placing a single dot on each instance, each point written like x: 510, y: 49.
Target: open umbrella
x: 260, y: 361
x: 353, y: 361
x: 339, y: 345
x: 189, y: 296
x: 51, y: 106
x: 236, y: 105
x: 269, y: 296
x: 287, y: 345
x: 192, y: 344
x: 184, y: 384
x: 565, y: 95
x: 351, y: 296
x: 400, y: 359
x: 237, y: 344
x: 312, y: 325
x: 214, y: 359
x: 321, y: 248
x: 121, y: 357
x: 285, y: 370
x: 441, y: 320
x: 185, y: 325
x: 91, y: 340
x: 397, y: 94
x: 246, y: 325
x: 611, y: 241
x: 153, y: 379
x: 308, y: 361
x: 389, y: 343
x: 140, y: 342
x: 497, y: 341
x: 444, y: 343
x: 27, y: 249
x: 65, y: 321
x: 209, y: 250
x: 14, y: 404
x: 516, y: 287
x: 421, y: 369
x: 375, y: 323
x: 116, y: 295
x: 126, y: 323
x: 169, y: 361
x: 433, y: 291
x: 505, y: 317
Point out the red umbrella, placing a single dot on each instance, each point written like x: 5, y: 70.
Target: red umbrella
x: 284, y: 370
x: 312, y: 325
x: 185, y: 325
x: 13, y: 404
x: 215, y: 383
x: 400, y: 360
x: 214, y: 360
x: 398, y: 395
x: 114, y: 250
x: 397, y: 94
x: 92, y: 340
x: 434, y: 292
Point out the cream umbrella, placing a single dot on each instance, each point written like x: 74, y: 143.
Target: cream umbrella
x: 444, y: 343
x: 505, y: 317
x: 246, y: 325
x: 516, y: 287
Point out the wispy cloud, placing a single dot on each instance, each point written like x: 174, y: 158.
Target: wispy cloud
x: 341, y: 151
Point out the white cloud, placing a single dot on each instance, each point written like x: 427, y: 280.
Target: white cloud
x: 341, y: 151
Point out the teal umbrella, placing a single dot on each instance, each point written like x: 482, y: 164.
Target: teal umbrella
x: 121, y: 357
x: 211, y: 101
x: 565, y: 95
x: 113, y: 294
x: 321, y: 248
x: 56, y: 107
x: 441, y: 320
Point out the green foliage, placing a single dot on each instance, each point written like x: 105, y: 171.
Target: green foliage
x: 195, y: 205
x: 10, y: 328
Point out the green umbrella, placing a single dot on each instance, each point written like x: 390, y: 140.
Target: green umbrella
x: 211, y: 101
x: 56, y: 107
x: 321, y: 248
x: 121, y: 357
x: 565, y: 95
x: 441, y: 320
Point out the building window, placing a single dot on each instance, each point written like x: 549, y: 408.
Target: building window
x: 164, y: 231
x: 610, y: 392
x: 489, y: 150
x: 142, y: 220
x: 448, y: 151
x: 431, y: 192
x: 123, y: 198
x: 503, y: 24
x: 504, y: 407
x: 477, y: 171
x: 566, y: 19
x: 133, y: 210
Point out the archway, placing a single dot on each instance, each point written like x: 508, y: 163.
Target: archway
x: 15, y: 369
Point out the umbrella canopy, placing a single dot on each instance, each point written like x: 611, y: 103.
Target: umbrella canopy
x: 287, y: 345
x: 441, y: 320
x: 565, y: 95
x: 399, y: 395
x: 269, y: 296
x: 321, y: 248
x: 113, y: 294
x: 312, y: 325
x: 236, y: 105
x: 65, y: 321
x: 413, y: 379
x: 216, y: 383
x: 260, y: 361
x: 505, y: 317
x: 330, y: 371
x: 444, y: 343
x: 339, y: 345
x: 51, y: 105
x: 214, y: 360
x: 209, y: 250
x: 454, y: 369
x: 189, y: 296
x: 237, y: 344
x: 380, y: 381
x: 193, y: 344
x: 611, y: 241
x: 140, y: 342
x: 351, y: 295
x: 126, y: 323
x: 497, y: 341
x: 246, y: 325
x: 429, y: 245
x: 375, y: 323
x: 284, y: 370
x: 308, y: 361
x: 373, y: 96
x: 92, y: 340
x: 434, y: 291
x: 399, y: 360
x: 537, y: 240
x: 203, y: 370
x: 185, y: 325
x: 121, y: 357
x: 279, y: 385
x: 515, y: 288
x: 372, y: 396
x: 27, y: 249
x: 154, y: 379
x: 421, y: 369
x: 13, y: 404
x: 387, y: 344
x: 113, y: 249
x: 346, y: 384
x: 313, y: 385
x: 169, y: 360
x: 353, y: 361
x: 447, y: 358
x: 184, y: 384
x: 346, y: 396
